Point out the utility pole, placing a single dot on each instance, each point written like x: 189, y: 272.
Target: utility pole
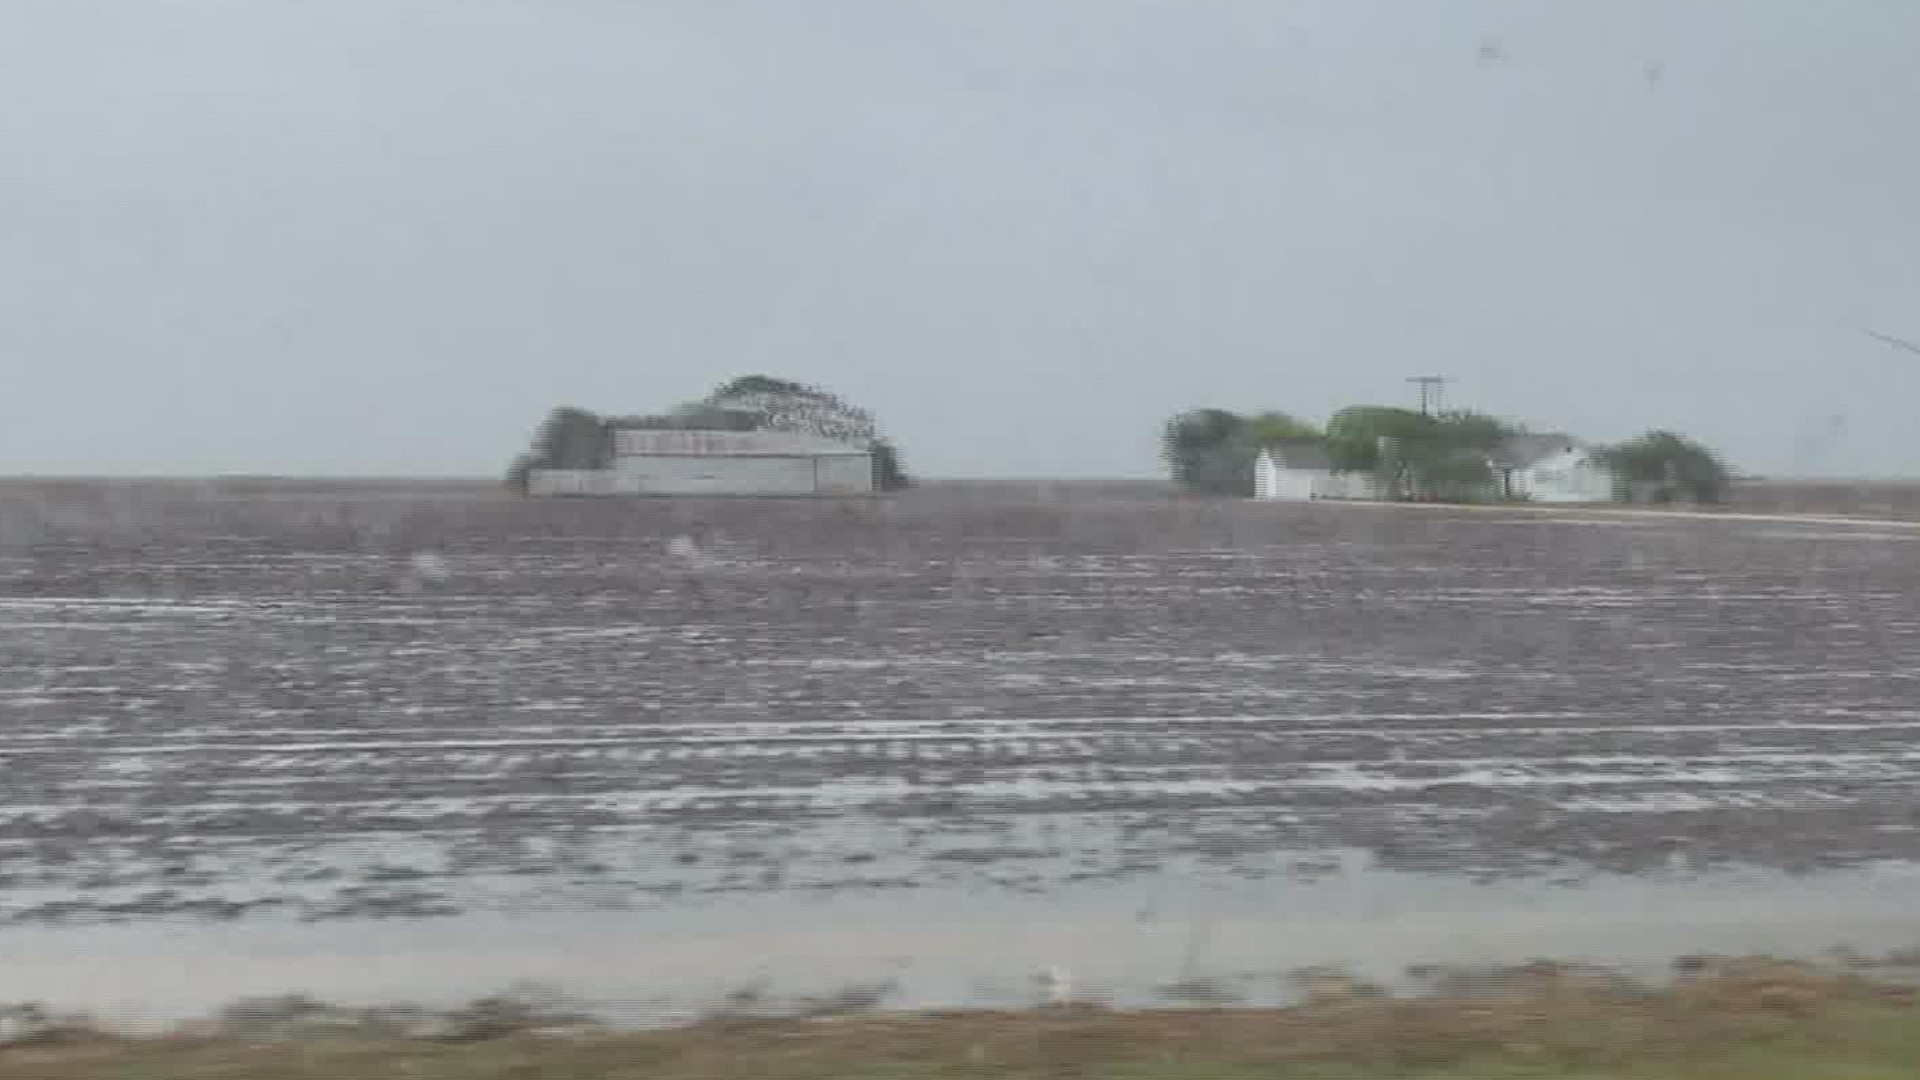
x: 1430, y: 386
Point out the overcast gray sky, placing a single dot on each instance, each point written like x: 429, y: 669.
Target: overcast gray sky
x: 384, y: 236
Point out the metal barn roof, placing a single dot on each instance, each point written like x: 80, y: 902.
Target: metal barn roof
x: 685, y: 443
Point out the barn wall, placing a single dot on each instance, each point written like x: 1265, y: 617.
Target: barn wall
x: 702, y: 474
x: 847, y: 474
x: 569, y: 482
x: 714, y: 475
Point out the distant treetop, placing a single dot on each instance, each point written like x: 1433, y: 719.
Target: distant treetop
x: 1212, y: 450
x: 574, y: 438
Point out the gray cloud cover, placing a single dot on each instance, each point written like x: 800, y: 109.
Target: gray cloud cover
x: 365, y: 236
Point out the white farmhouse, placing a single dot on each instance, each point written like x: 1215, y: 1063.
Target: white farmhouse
x: 1553, y: 469
x: 1301, y: 469
x: 698, y: 462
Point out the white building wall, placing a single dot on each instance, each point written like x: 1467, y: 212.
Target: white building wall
x: 844, y: 474
x: 718, y: 474
x: 1574, y: 476
x: 713, y: 475
x: 1264, y: 481
x: 569, y: 482
x: 1272, y: 480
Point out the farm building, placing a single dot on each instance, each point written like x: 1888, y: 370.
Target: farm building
x: 1552, y: 469
x: 1301, y: 469
x: 698, y: 462
x: 1533, y: 468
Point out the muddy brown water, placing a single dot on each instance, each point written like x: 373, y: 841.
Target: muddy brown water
x: 261, y: 736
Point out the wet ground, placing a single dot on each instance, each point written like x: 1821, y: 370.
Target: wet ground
x: 305, y: 705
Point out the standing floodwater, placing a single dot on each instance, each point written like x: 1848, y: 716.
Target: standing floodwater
x: 494, y: 724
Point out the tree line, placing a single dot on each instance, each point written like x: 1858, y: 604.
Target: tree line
x: 1446, y: 455
x: 575, y: 438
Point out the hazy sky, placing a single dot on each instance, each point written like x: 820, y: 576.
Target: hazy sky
x: 372, y: 236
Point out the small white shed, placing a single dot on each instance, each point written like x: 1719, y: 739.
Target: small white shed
x: 1554, y: 469
x: 1301, y: 470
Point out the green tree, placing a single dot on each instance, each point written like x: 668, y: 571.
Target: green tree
x: 1665, y: 467
x: 1273, y: 427
x: 1444, y: 455
x: 1452, y: 458
x: 1461, y: 477
x: 520, y: 473
x: 569, y: 438
x: 1468, y: 430
x: 573, y: 438
x: 1210, y: 451
x: 889, y: 474
x: 785, y: 405
x: 776, y: 404
x: 1380, y: 439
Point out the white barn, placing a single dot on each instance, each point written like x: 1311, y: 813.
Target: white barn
x: 1301, y: 469
x: 1553, y: 469
x: 692, y: 462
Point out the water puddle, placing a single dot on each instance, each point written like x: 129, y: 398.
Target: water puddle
x: 1126, y: 943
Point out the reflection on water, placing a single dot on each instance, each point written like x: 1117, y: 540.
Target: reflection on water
x: 1127, y: 943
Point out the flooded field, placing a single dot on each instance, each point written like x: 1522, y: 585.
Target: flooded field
x: 306, y: 734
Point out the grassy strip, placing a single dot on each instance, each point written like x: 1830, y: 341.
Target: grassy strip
x: 1757, y: 1022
